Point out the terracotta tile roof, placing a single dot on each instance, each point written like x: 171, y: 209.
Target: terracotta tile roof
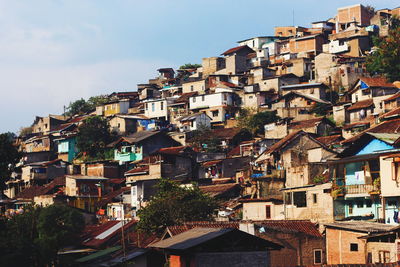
x: 93, y: 234
x: 390, y: 126
x: 225, y: 133
x: 235, y: 49
x: 178, y: 229
x: 138, y: 170
x: 228, y: 84
x: 234, y: 152
x: 30, y: 192
x: 292, y: 226
x: 331, y: 139
x: 393, y: 97
x: 393, y: 113
x: 176, y: 150
x: 284, y: 141
x: 362, y: 104
x: 356, y: 124
x: 377, y: 82
x: 305, y: 124
x: 219, y: 189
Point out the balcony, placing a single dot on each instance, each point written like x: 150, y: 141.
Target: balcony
x: 361, y: 189
x: 272, y: 174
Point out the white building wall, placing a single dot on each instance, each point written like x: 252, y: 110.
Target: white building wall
x: 211, y: 100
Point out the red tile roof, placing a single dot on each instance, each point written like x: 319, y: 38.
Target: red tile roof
x: 292, y: 226
x: 138, y: 170
x: 235, y: 49
x: 330, y: 140
x: 234, y: 152
x: 393, y: 97
x: 35, y: 190
x: 91, y: 233
x: 228, y: 84
x: 176, y: 150
x: 225, y: 133
x: 219, y: 189
x: 284, y: 141
x: 305, y: 124
x: 393, y: 113
x: 362, y: 104
x: 390, y: 126
x: 377, y: 82
x: 178, y: 229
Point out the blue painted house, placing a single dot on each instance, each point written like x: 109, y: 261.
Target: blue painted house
x: 357, y: 176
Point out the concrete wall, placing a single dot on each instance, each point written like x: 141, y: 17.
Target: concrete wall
x: 356, y: 13
x: 375, y: 247
x: 210, y: 100
x: 320, y: 211
x: 197, y: 86
x: 156, y: 109
x: 229, y: 259
x: 257, y: 211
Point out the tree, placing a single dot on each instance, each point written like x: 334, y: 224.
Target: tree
x: 34, y: 237
x: 189, y: 66
x: 78, y: 107
x: 93, y: 136
x: 23, y: 131
x: 9, y: 156
x: 254, y: 122
x: 173, y: 205
x: 204, y: 139
x: 385, y: 59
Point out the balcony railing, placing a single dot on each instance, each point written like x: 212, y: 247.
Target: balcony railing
x: 360, y: 189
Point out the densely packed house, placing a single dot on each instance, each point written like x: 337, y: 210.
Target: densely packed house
x: 318, y: 185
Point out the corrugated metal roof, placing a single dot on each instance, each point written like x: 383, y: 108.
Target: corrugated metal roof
x: 191, y: 238
x: 364, y: 227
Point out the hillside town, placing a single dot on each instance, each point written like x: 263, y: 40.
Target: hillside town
x: 291, y: 136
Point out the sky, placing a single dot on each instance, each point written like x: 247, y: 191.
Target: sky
x: 53, y: 52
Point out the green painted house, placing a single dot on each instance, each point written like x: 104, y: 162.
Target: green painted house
x: 67, y: 148
x: 140, y: 144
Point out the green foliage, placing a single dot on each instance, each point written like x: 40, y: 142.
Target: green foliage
x: 320, y: 109
x: 82, y: 106
x: 254, y: 122
x: 189, y: 66
x: 320, y: 179
x: 203, y: 139
x: 9, y: 156
x: 34, y: 237
x: 385, y: 60
x: 93, y: 137
x: 173, y: 205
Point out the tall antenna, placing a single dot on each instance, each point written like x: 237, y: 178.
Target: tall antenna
x: 293, y: 17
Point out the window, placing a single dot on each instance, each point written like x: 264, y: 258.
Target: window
x: 194, y: 99
x: 317, y: 256
x: 368, y: 203
x: 153, y: 107
x: 353, y: 247
x: 215, y: 113
x: 384, y: 256
x: 268, y: 212
x: 191, y: 88
x: 203, y: 98
x: 119, y: 125
x: 147, y: 106
x: 137, y: 150
x: 360, y: 204
x: 350, y: 207
x: 251, y: 97
x: 314, y: 196
x: 299, y: 199
x: 162, y: 105
x: 225, y: 97
x: 392, y: 203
